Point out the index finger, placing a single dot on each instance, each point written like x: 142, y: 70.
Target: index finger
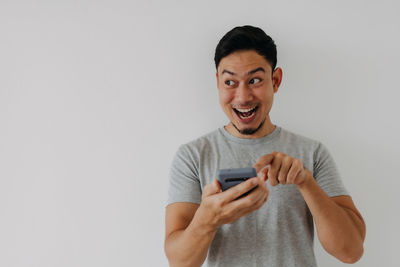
x: 263, y: 161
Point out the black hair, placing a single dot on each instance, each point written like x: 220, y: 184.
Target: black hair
x: 246, y: 38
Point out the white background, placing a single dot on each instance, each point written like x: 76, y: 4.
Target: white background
x: 96, y: 96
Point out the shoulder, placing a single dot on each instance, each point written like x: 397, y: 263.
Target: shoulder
x: 299, y: 140
x: 308, y: 148
x: 200, y: 144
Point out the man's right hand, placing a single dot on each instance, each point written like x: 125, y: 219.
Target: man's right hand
x: 190, y: 228
x: 217, y: 208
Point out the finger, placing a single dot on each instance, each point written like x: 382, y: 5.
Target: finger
x: 263, y: 161
x: 238, y: 190
x: 211, y: 189
x: 238, y: 208
x: 246, y: 204
x: 235, y: 209
x: 283, y: 171
x: 251, y: 202
x: 217, y: 184
x: 262, y: 184
x: 261, y: 202
x: 259, y: 190
x: 274, y: 170
x: 255, y: 206
x: 264, y: 173
x: 294, y: 171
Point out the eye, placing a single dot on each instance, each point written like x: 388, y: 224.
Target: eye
x: 229, y: 82
x: 255, y: 80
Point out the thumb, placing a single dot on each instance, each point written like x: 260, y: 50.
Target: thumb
x: 264, y: 173
x: 211, y: 189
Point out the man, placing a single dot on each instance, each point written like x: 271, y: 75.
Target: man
x: 297, y: 183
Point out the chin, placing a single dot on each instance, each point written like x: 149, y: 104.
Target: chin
x: 247, y: 130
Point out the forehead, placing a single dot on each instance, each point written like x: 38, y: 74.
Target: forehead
x: 241, y: 62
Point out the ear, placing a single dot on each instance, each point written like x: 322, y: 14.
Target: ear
x: 276, y: 79
x: 216, y: 75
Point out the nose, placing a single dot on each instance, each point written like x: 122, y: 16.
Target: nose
x: 243, y: 94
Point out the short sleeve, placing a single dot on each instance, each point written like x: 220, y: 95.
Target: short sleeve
x: 326, y: 173
x: 184, y: 184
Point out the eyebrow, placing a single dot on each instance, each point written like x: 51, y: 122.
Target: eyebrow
x: 249, y: 73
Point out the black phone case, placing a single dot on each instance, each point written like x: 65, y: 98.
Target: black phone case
x: 231, y: 177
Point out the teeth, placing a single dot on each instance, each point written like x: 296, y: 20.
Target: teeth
x: 244, y: 110
x: 243, y: 117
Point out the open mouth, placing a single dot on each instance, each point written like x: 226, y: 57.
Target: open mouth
x: 245, y: 113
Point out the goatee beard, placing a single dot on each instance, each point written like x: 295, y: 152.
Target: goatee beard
x: 249, y: 131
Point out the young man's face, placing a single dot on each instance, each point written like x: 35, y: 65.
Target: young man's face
x: 246, y: 86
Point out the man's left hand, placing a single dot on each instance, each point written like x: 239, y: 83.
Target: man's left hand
x: 280, y: 168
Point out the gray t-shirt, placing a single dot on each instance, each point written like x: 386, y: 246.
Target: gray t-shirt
x: 281, y: 232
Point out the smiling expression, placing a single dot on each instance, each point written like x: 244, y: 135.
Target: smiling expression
x: 247, y: 86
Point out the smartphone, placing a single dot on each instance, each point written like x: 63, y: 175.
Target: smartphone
x: 231, y: 177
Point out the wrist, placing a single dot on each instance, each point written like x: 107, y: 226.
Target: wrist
x: 308, y: 179
x: 201, y: 223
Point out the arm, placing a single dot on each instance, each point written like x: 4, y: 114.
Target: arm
x: 190, y: 228
x: 340, y: 227
x: 186, y: 240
